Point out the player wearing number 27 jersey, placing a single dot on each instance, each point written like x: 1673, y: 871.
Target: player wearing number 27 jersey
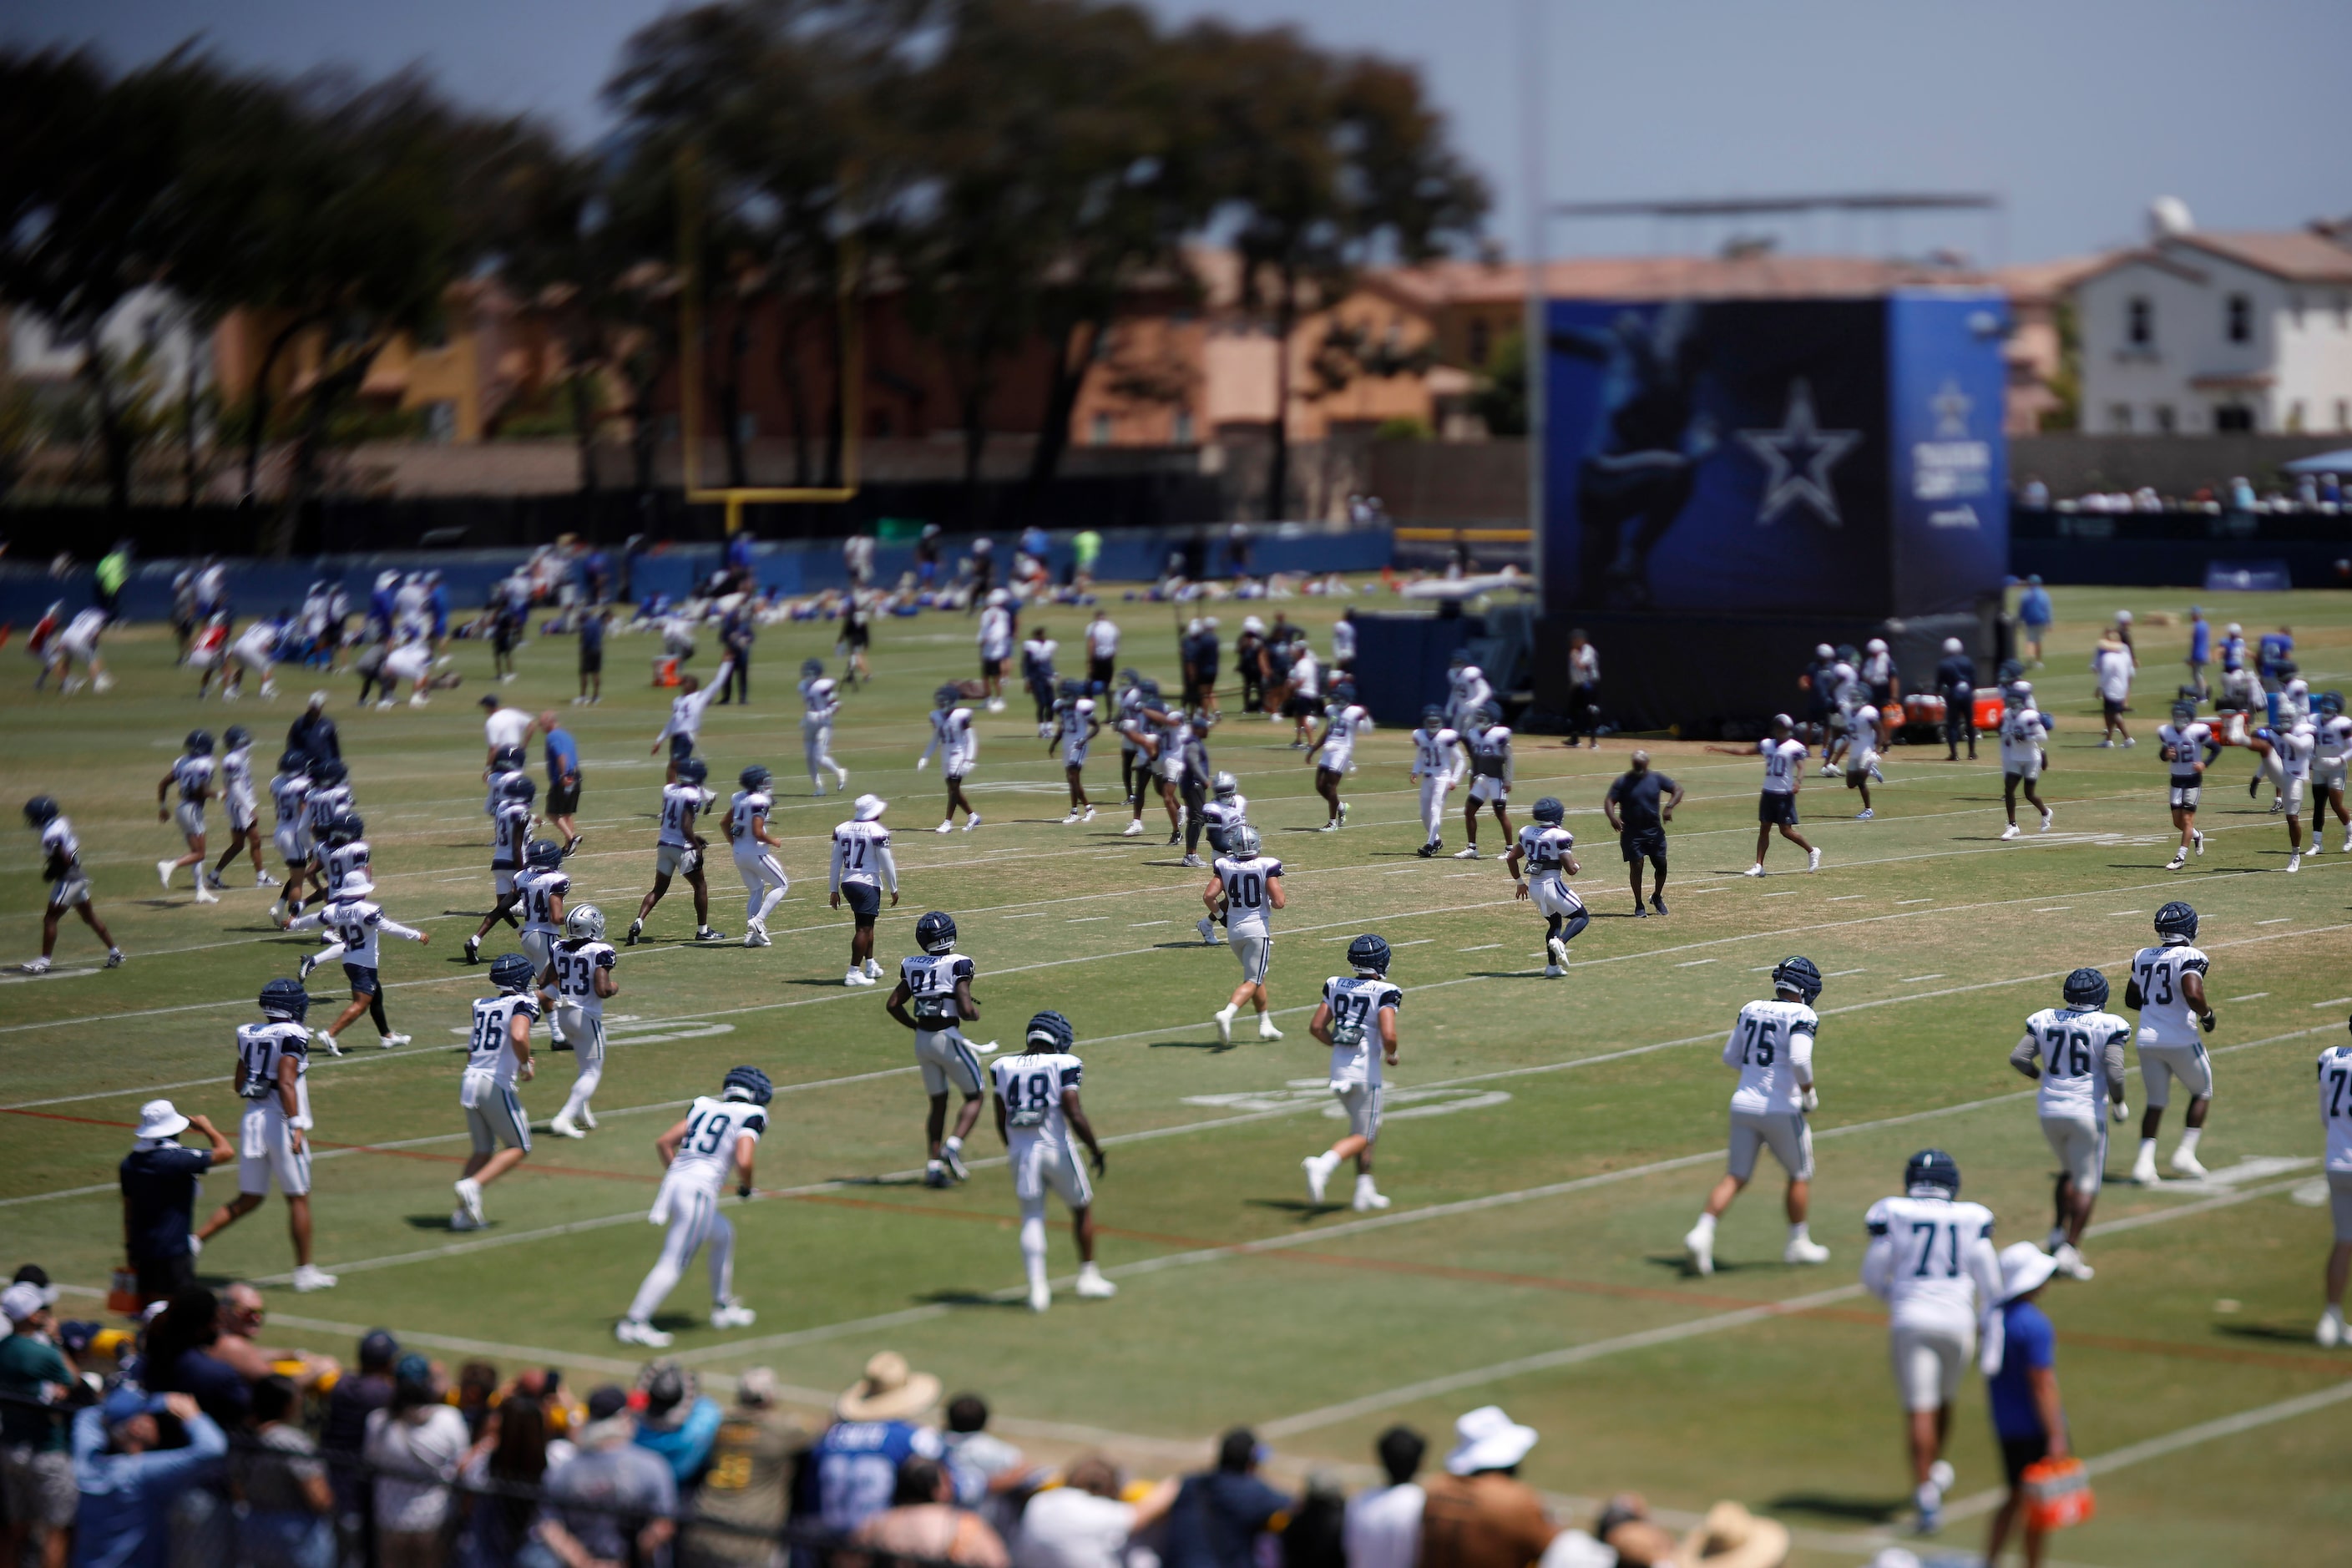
x: 1771, y: 1044
x: 709, y: 1149
x: 1358, y: 1019
x: 1037, y: 1108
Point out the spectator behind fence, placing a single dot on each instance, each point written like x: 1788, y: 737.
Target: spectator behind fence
x: 1383, y: 1528
x: 180, y: 1360
x: 1219, y: 1514
x: 1479, y: 1514
x: 677, y: 1422
x: 612, y: 1503
x: 514, y: 1452
x: 415, y: 1444
x: 923, y: 1521
x: 350, y: 1403
x: 988, y: 1471
x: 855, y: 1460
x: 289, y: 1510
x: 159, y: 1180
x: 1085, y: 1522
x: 749, y: 1481
x: 1312, y: 1537
x: 237, y: 1345
x: 37, y: 1474
x: 128, y: 1485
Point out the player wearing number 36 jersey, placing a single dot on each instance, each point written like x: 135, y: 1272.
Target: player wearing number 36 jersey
x: 1773, y: 1047
x: 2082, y: 1048
x: 1037, y: 1108
x: 709, y: 1149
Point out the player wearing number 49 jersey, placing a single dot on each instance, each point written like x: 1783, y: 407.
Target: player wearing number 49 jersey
x: 2167, y: 988
x: 1358, y: 1019
x: 272, y: 1059
x: 576, y: 982
x: 2082, y: 1045
x: 2335, y: 1116
x: 711, y: 1149
x: 1037, y: 1110
x: 1773, y: 1047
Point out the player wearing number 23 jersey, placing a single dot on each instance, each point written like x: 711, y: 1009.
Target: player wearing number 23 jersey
x: 709, y: 1150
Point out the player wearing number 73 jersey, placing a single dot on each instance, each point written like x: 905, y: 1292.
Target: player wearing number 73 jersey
x: 2336, y: 1115
x: 2084, y: 1046
x: 1037, y: 1108
x: 2167, y: 987
x: 1772, y: 1046
x: 710, y: 1147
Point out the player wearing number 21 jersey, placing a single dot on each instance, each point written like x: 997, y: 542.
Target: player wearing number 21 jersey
x: 711, y: 1149
x: 1246, y: 885
x: 1358, y: 1019
x: 2082, y: 1047
x: 2335, y: 1116
x: 1771, y: 1044
x: 1037, y: 1110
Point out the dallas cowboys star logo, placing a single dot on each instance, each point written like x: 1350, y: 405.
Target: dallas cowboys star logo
x: 1950, y: 406
x: 1797, y: 459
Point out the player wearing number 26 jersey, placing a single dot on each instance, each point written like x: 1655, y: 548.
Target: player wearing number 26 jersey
x: 709, y: 1150
x: 2335, y: 1116
x: 1771, y: 1044
x: 2082, y: 1047
x: 1037, y: 1110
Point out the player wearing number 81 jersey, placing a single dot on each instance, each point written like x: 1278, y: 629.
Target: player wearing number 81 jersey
x: 2335, y: 1116
x: 1037, y: 1108
x: 273, y: 1060
x: 1356, y: 1019
x: 2082, y: 1048
x: 710, y: 1146
x: 576, y: 981
x: 1771, y: 1044
x: 2167, y: 988
x: 933, y: 997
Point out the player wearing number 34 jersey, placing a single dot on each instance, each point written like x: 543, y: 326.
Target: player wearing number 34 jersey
x: 1773, y: 1047
x: 1037, y: 1110
x: 709, y: 1149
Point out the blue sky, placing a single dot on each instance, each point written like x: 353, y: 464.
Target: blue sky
x: 2077, y: 112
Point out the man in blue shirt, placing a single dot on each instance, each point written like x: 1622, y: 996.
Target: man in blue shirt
x: 562, y: 779
x: 159, y: 1180
x: 2277, y: 649
x: 1218, y: 1516
x: 852, y: 1471
x: 2033, y: 613
x: 2027, y: 1417
x: 592, y: 657
x: 128, y: 1485
x: 2200, y: 648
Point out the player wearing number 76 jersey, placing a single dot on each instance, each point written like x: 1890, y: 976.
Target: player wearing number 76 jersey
x: 711, y: 1146
x: 1037, y: 1108
x: 1773, y: 1047
x: 2084, y: 1045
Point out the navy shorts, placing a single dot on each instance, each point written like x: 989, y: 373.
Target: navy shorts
x: 865, y: 901
x: 1777, y: 808
x: 363, y: 980
x: 1644, y: 844
x: 2018, y: 1453
x: 562, y: 800
x: 680, y: 748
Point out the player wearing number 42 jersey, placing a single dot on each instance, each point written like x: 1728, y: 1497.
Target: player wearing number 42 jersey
x: 1772, y: 1046
x: 1037, y: 1110
x: 1358, y: 1019
x: 933, y: 997
x: 709, y: 1149
x: 2082, y: 1045
x: 273, y: 1145
x: 575, y: 983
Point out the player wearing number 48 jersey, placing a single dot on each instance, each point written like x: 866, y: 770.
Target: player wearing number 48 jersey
x: 2082, y: 1048
x: 1358, y: 1019
x: 2167, y: 988
x: 273, y: 1058
x: 709, y: 1149
x: 1772, y: 1046
x: 1037, y: 1110
x: 933, y: 997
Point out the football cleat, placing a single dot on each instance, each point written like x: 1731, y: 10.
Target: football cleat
x: 952, y: 1159
x: 1558, y: 951
x: 709, y: 933
x: 1658, y: 902
x: 2143, y: 1170
x: 1194, y: 861
x: 1426, y: 851
x: 564, y: 1127
x: 389, y: 1041
x: 2070, y: 1262
x: 1699, y: 1244
x: 1265, y: 1029
x: 470, y: 1199
x: 873, y: 969
x: 631, y: 1332
x: 1804, y: 1250
x: 114, y: 958
x: 1469, y: 854
x: 1319, y: 1168
x: 1225, y: 1020
x: 935, y: 1175
x: 636, y: 933
x: 308, y: 1277
x: 1813, y: 860
x: 2330, y: 1333
x: 2185, y: 1163
x: 2011, y: 831
x: 1041, y: 1296
x: 34, y: 966
x: 1368, y: 1198
x: 1755, y: 870
x: 1207, y: 926
x: 733, y: 1315
x: 473, y: 950
x: 1092, y: 1286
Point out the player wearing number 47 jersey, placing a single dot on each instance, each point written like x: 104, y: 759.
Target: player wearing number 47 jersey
x: 1358, y: 1019
x: 2082, y: 1048
x: 2335, y: 1116
x: 2167, y: 988
x: 1773, y: 1047
x: 933, y: 997
x: 709, y: 1149
x: 1037, y: 1110
x: 576, y: 982
x: 273, y: 1146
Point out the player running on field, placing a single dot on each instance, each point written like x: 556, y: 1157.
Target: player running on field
x: 68, y: 883
x: 2024, y: 730
x: 497, y: 1056
x: 1771, y: 1044
x: 539, y: 892
x: 1776, y: 806
x: 679, y: 848
x: 2295, y: 749
x: 289, y: 793
x: 2188, y: 748
x: 1244, y: 885
x: 819, y: 701
x: 576, y: 982
x: 764, y: 882
x: 2167, y: 989
x: 1226, y: 811
x: 1491, y: 769
x: 933, y: 997
x: 1438, y: 761
x: 357, y: 925
x: 2335, y: 1116
x: 958, y: 746
x: 2329, y: 753
x: 324, y: 803
x: 1358, y: 1019
x: 1072, y: 729
x: 684, y: 727
x: 862, y: 868
x: 2083, y: 1047
x: 273, y: 1060
x: 1037, y: 1110
x: 710, y: 1147
x: 1335, y: 749
x: 512, y: 817
x: 1862, y: 755
x: 1931, y: 1260
x: 244, y: 810
x: 192, y: 775
x: 1540, y: 863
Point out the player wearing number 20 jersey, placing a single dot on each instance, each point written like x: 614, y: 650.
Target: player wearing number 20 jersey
x: 1037, y: 1111
x: 1771, y: 1045
x: 706, y: 1151
x: 2335, y: 1116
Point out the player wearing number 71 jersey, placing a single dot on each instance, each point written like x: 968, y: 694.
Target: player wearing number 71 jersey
x: 1037, y: 1108
x: 1773, y: 1047
x: 2336, y: 1115
x: 710, y: 1146
x: 2084, y: 1046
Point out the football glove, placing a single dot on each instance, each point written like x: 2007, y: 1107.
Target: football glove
x: 1812, y: 1101
x: 743, y: 1190
x: 2119, y: 1111
x: 2210, y: 1020
x: 1098, y: 1161
x: 922, y: 763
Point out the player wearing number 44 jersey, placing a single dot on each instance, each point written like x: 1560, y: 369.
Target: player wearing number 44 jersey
x: 575, y: 983
x: 2167, y: 988
x: 1773, y: 1047
x: 273, y: 1147
x: 1245, y: 885
x: 1358, y: 1019
x: 497, y: 1056
x: 2082, y: 1048
x: 709, y: 1149
x: 933, y: 997
x: 1037, y: 1110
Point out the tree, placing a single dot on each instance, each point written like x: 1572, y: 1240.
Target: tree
x: 1500, y: 397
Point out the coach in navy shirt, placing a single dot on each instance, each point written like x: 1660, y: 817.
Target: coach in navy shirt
x: 160, y: 1179
x: 1640, y: 804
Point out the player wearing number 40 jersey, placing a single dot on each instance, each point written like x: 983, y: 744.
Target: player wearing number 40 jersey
x: 575, y: 983
x: 1246, y: 884
x: 933, y: 997
x: 711, y: 1148
x: 1784, y: 774
x: 2167, y: 988
x: 1772, y: 1046
x: 1037, y: 1110
x: 2082, y: 1045
x: 2335, y: 1116
x: 272, y: 1059
x: 1358, y: 1019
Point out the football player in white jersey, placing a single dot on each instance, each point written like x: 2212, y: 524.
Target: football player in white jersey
x: 1438, y: 761
x: 2083, y: 1045
x: 1491, y: 768
x: 933, y: 998
x: 290, y: 794
x: 862, y: 868
x: 1335, y: 749
x: 1037, y: 1110
x: 1771, y: 1044
x: 1540, y: 862
x: 958, y: 750
x: 2187, y: 747
x: 820, y: 701
x: 684, y: 727
x: 509, y: 846
x: 2328, y: 756
x: 244, y: 810
x: 574, y: 984
x: 1244, y: 883
x: 1468, y: 694
x: 2295, y: 749
x: 1358, y: 1019
x: 68, y: 883
x: 1227, y: 810
x: 678, y: 849
x: 192, y: 775
x: 1862, y: 755
x: 2335, y: 1116
x: 256, y: 650
x: 764, y: 882
x: 2167, y: 990
x: 326, y: 799
x: 539, y: 892
x: 356, y: 924
x: 1776, y: 806
x: 711, y: 1148
x: 497, y: 1056
x: 272, y: 1059
x: 995, y: 640
x: 2023, y: 729
x: 1931, y: 1259
x: 1072, y: 729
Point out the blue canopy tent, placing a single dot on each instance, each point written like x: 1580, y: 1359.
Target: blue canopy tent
x: 2324, y: 463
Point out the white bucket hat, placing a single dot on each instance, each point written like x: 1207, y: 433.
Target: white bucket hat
x: 159, y: 1119
x: 2024, y: 1267
x: 868, y: 807
x: 1486, y: 1439
x: 354, y: 885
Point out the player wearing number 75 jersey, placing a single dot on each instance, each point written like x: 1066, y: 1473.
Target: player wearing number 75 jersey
x: 711, y: 1147
x: 1358, y: 1019
x: 1037, y: 1108
x: 2336, y: 1115
x: 1773, y: 1047
x: 2084, y: 1045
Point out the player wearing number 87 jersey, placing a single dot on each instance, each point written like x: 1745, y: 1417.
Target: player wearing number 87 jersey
x: 273, y: 1058
x: 2336, y: 1115
x: 2167, y: 988
x: 2084, y: 1046
x: 1772, y: 1046
x: 1357, y: 1018
x: 711, y: 1148
x: 1037, y: 1108
x: 576, y: 982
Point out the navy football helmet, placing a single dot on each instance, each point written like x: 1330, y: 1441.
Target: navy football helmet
x: 693, y: 770
x: 41, y: 811
x: 284, y: 999
x: 1798, y: 974
x: 1549, y: 812
x: 747, y: 1083
x: 936, y: 932
x: 2177, y: 922
x: 756, y: 778
x: 237, y: 735
x: 542, y: 854
x: 1049, y: 1031
x: 2086, y: 988
x: 1369, y: 953
x: 200, y: 743
x: 1932, y: 1168
x: 511, y: 971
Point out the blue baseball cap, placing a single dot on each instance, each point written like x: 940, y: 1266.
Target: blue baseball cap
x: 127, y: 1403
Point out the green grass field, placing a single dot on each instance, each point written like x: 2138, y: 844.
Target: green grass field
x: 1549, y: 1143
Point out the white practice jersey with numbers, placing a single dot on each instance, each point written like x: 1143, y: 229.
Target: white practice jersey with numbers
x: 1942, y: 1267
x: 538, y: 892
x: 1772, y: 1046
x: 1346, y: 721
x: 60, y: 851
x: 2182, y: 747
x: 513, y: 832
x: 2295, y: 749
x: 1357, y: 1002
x: 681, y: 803
x: 289, y: 797
x: 356, y: 923
x: 489, y: 1048
x: 322, y: 805
x: 1861, y: 727
x: 714, y: 1128
x: 2335, y: 1105
x: 1783, y: 760
x: 744, y: 814
x: 1032, y: 1086
x: 343, y: 860
x: 1246, y: 901
x: 858, y: 851
x: 1221, y: 815
x: 1075, y: 717
x: 1543, y: 847
x: 260, y: 1047
x: 952, y: 738
x: 820, y: 699
x: 575, y: 965
x: 2074, y: 1042
x: 2335, y: 738
x: 2022, y: 733
x: 193, y: 776
x: 236, y: 775
x: 1437, y: 754
x: 930, y: 981
x: 2165, y: 1018
x: 1490, y: 752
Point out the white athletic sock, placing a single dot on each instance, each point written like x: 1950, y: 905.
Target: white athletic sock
x: 952, y: 1144
x: 2148, y: 1148
x: 721, y: 1245
x: 1032, y: 1247
x: 1705, y: 1226
x: 2188, y: 1140
x: 1796, y: 1231
x: 582, y: 1087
